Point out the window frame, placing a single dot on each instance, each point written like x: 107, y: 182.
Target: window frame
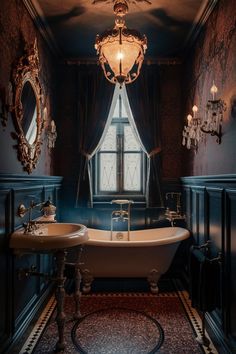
x: 138, y: 196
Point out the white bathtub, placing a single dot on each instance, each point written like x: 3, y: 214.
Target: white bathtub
x: 148, y: 253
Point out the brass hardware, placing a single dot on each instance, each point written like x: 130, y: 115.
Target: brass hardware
x: 22, y: 210
x: 121, y: 214
x: 32, y: 271
x: 48, y: 210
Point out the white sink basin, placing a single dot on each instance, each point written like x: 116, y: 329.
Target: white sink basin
x: 49, y: 237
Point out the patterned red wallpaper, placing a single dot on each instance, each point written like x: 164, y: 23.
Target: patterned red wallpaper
x: 16, y: 30
x: 213, y: 58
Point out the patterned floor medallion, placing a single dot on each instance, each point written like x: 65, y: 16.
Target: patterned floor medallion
x: 125, y: 330
x: 123, y: 323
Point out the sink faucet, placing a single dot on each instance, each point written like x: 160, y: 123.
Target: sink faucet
x: 48, y: 210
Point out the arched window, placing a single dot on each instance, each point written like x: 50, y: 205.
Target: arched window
x: 119, y: 165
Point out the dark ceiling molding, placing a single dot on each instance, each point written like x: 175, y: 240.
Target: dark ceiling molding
x: 38, y: 17
x: 147, y: 61
x: 198, y: 25
x: 40, y: 21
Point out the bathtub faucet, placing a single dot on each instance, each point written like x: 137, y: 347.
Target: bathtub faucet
x: 121, y: 214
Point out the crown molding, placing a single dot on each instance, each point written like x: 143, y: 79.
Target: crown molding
x: 200, y: 20
x: 40, y: 22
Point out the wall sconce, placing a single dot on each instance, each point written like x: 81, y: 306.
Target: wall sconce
x: 214, y: 115
x: 52, y: 135
x: 192, y: 133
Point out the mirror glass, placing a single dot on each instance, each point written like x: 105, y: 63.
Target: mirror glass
x: 29, y: 107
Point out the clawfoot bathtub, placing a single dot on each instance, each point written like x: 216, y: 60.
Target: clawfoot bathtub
x: 147, y: 254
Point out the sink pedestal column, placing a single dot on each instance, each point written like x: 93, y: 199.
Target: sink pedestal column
x: 60, y: 296
x: 77, y: 293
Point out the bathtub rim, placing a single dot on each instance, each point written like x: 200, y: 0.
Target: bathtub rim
x: 140, y: 243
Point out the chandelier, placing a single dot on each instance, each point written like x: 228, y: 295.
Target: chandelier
x: 121, y: 50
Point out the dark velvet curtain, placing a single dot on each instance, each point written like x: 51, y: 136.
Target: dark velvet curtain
x: 144, y: 96
x: 94, y: 101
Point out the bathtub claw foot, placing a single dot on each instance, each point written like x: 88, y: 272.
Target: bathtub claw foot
x: 153, y: 278
x: 87, y: 281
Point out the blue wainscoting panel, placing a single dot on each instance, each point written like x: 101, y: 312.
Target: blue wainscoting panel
x: 210, y: 207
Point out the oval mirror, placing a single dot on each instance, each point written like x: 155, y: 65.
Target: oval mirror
x: 27, y: 107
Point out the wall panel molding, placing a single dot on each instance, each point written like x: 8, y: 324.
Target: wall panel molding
x: 211, y: 202
x: 17, y: 309
x: 5, y: 266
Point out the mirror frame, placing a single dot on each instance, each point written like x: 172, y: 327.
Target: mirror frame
x: 27, y: 70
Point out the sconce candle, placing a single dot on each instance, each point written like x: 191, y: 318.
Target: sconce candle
x: 189, y: 118
x: 52, y: 134
x: 214, y: 90
x: 53, y: 126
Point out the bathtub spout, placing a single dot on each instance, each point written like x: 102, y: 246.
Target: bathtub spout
x: 121, y: 214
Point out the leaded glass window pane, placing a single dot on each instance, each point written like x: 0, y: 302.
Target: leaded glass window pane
x: 132, y: 172
x: 108, y: 172
x: 117, y: 109
x: 109, y: 143
x: 124, y: 113
x: 130, y: 141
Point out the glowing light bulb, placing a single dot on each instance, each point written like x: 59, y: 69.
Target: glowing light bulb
x: 195, y: 109
x: 214, y: 90
x: 53, y: 126
x: 120, y: 56
x: 189, y: 118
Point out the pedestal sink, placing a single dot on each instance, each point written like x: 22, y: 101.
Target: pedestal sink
x: 55, y: 238
x: 48, y: 237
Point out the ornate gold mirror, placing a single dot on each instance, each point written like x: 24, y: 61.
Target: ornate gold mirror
x: 27, y: 107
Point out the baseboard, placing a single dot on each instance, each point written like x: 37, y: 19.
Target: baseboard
x: 218, y: 336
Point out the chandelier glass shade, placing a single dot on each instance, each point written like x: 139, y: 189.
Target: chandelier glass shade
x: 121, y: 50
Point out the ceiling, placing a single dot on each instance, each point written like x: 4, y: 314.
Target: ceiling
x: 70, y: 26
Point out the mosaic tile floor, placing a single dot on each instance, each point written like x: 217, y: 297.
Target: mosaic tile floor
x: 123, y: 323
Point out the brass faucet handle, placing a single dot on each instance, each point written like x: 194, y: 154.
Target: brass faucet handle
x: 30, y: 227
x: 22, y: 210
